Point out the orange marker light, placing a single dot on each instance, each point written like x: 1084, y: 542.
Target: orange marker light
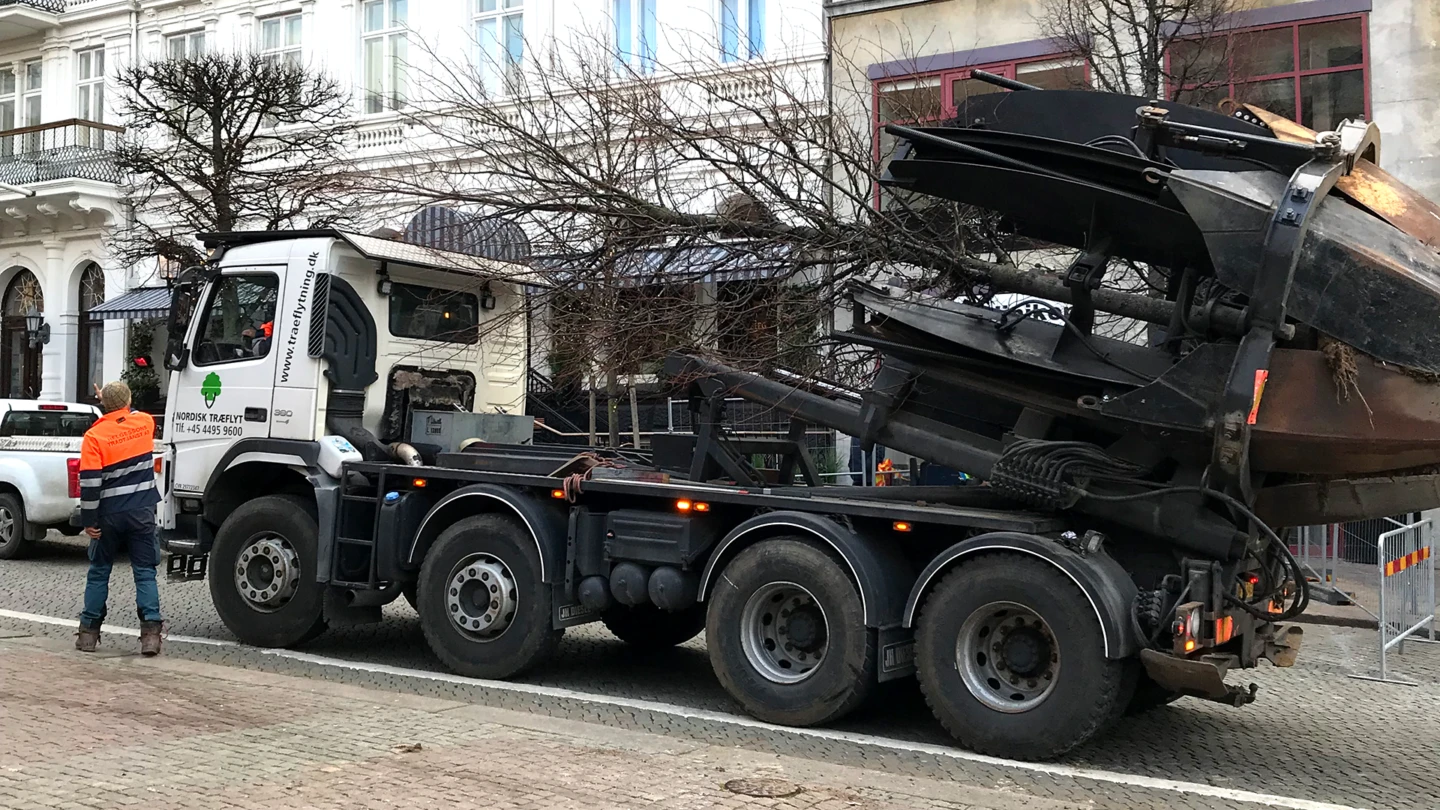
x: 1189, y: 644
x: 683, y: 505
x: 901, y: 526
x: 419, y: 483
x: 702, y: 507
x: 558, y: 494
x: 159, y: 462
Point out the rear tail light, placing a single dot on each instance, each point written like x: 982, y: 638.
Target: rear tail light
x: 1187, y: 627
x: 72, y: 476
x: 53, y: 408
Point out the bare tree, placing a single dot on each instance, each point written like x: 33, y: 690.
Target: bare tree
x: 1152, y: 48
x: 225, y: 141
x: 629, y: 181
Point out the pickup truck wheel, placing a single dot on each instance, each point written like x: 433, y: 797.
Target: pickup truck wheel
x: 1011, y: 659
x: 262, y: 572
x: 12, y: 527
x: 648, y: 627
x: 787, y: 637
x: 483, y: 607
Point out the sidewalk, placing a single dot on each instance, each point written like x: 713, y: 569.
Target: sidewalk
x: 114, y: 730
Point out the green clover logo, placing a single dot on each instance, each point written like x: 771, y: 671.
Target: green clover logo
x: 210, y: 389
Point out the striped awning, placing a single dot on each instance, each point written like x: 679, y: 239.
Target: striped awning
x: 144, y: 302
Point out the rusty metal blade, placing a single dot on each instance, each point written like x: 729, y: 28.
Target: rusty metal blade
x: 1392, y: 422
x: 1375, y: 189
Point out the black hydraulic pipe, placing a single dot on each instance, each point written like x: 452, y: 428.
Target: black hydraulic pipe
x: 1000, y: 81
x: 842, y: 416
x: 986, y: 155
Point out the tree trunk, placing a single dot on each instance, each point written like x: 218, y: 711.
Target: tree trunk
x: 612, y: 405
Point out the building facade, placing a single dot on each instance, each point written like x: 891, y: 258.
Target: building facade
x: 1316, y: 61
x: 60, y: 195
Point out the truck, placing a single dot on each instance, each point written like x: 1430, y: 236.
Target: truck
x: 40, y: 470
x: 1120, y: 547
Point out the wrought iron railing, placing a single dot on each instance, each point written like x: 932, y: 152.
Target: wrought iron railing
x: 72, y: 149
x: 56, y: 6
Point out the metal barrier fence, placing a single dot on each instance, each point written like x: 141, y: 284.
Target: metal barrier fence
x: 1405, y: 563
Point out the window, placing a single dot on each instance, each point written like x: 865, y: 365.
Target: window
x: 239, y: 321
x: 280, y: 38
x: 20, y: 364
x: 935, y: 97
x: 91, y: 338
x: 742, y: 29
x: 635, y: 34
x: 64, y: 424
x: 185, y: 46
x: 1313, y: 72
x: 500, y: 33
x: 31, y: 103
x: 8, y: 89
x: 385, y: 49
x: 90, y: 85
x: 432, y: 314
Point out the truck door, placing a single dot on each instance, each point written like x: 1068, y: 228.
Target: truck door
x: 225, y: 391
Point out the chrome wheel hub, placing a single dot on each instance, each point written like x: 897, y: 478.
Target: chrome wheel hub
x: 784, y: 632
x: 7, y: 526
x: 268, y: 572
x: 481, y: 597
x: 1007, y: 657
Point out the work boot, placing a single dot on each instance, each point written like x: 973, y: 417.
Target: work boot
x: 150, y: 639
x: 87, y: 639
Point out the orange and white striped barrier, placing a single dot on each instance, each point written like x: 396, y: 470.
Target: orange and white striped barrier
x: 1407, y: 592
x: 1400, y: 564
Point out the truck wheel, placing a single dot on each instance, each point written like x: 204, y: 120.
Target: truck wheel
x: 649, y: 628
x: 12, y: 527
x: 1012, y: 662
x: 262, y: 572
x: 483, y: 608
x: 787, y: 637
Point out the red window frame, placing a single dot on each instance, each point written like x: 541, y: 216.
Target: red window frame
x: 1296, y: 73
x: 948, y: 108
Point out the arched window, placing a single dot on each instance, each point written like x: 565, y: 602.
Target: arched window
x: 89, y: 366
x: 19, y: 364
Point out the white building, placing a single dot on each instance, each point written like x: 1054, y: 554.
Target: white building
x: 61, y: 193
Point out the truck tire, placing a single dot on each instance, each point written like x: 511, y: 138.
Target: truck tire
x: 12, y: 527
x: 786, y: 634
x: 1149, y: 695
x: 262, y: 572
x: 484, y: 572
x: 647, y: 627
x: 1011, y: 659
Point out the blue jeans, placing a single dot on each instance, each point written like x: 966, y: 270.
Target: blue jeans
x: 134, y: 529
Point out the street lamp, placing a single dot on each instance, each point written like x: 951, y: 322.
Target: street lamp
x: 36, y: 329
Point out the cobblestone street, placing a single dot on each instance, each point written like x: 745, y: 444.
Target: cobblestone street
x: 1315, y: 737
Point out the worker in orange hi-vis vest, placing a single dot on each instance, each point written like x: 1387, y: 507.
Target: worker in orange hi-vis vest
x: 117, y: 509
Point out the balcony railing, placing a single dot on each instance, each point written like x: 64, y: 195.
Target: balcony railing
x: 64, y: 150
x: 55, y: 6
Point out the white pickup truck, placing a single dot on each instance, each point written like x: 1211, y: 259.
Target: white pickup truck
x: 39, y: 469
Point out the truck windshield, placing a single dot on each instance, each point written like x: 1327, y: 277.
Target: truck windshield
x: 65, y: 424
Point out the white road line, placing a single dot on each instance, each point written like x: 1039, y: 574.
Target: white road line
x: 672, y: 710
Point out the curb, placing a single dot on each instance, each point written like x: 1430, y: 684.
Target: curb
x: 1356, y: 622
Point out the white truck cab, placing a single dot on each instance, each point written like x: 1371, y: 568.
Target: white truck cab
x: 291, y: 352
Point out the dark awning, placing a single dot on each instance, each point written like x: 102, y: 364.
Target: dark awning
x: 145, y: 302
x: 736, y: 261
